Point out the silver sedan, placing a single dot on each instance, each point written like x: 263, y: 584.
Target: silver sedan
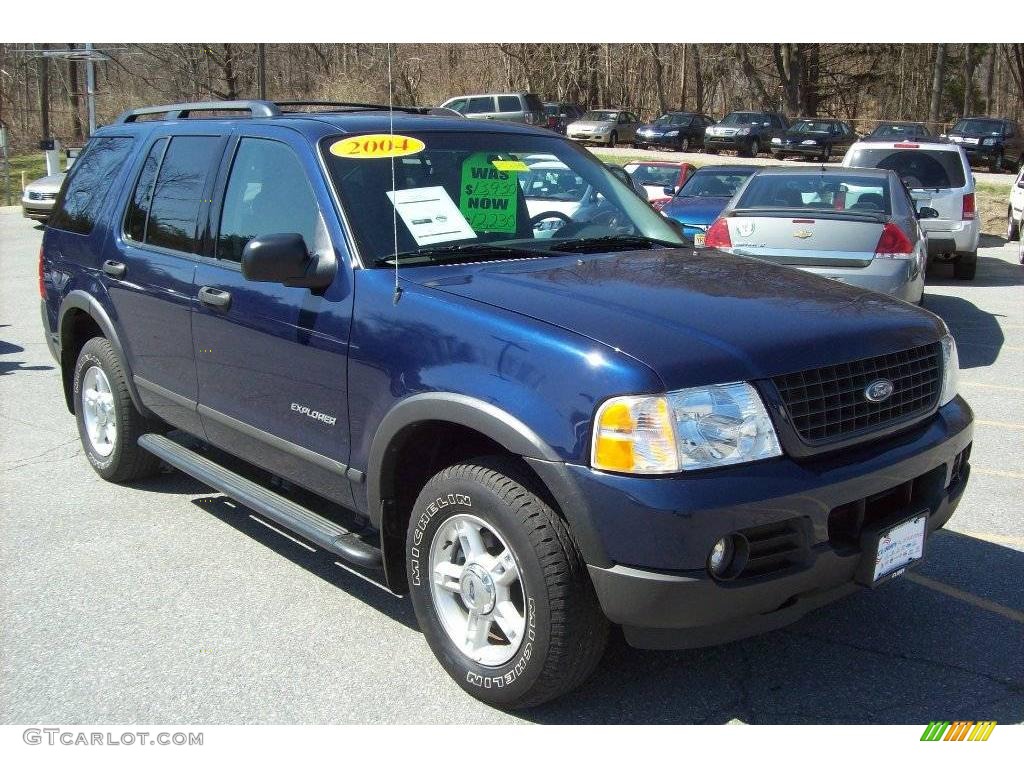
x: 39, y: 197
x: 855, y: 225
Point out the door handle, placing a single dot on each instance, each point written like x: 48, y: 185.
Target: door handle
x: 213, y: 297
x: 114, y: 268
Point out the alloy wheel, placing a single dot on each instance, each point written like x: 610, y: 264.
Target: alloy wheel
x: 98, y: 411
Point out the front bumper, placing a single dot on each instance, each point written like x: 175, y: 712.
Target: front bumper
x: 599, y: 138
x: 39, y: 210
x: 813, y: 150
x: 977, y: 152
x: 736, y: 143
x: 659, y: 141
x: 652, y: 536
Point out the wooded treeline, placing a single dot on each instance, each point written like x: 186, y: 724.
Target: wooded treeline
x: 860, y: 82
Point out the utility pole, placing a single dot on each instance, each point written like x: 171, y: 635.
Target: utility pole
x: 90, y: 88
x: 261, y: 69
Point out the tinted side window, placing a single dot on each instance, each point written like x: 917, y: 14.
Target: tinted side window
x: 479, y: 104
x: 138, y: 208
x: 267, y: 193
x: 508, y: 104
x: 89, y: 184
x: 178, y: 194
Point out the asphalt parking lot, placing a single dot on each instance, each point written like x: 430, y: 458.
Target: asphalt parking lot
x: 166, y: 603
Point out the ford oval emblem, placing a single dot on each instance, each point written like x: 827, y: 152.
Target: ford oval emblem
x: 878, y: 391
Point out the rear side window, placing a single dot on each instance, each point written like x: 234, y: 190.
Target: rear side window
x: 178, y: 194
x: 88, y: 185
x: 138, y: 208
x: 508, y: 104
x: 478, y: 105
x: 267, y: 194
x: 917, y: 168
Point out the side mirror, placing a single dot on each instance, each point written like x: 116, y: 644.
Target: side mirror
x: 284, y: 258
x: 925, y: 212
x: 670, y: 191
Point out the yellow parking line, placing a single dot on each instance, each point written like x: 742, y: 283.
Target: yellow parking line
x: 992, y: 386
x: 1001, y: 424
x: 997, y: 473
x: 958, y: 594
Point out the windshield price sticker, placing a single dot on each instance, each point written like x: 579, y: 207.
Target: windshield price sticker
x: 510, y: 165
x: 377, y: 145
x: 489, y: 196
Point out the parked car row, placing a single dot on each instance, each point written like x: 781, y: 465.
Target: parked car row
x: 874, y: 221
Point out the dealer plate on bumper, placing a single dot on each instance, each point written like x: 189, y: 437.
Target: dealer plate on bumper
x: 895, y: 548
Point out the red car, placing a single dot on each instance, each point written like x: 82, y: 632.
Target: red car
x: 657, y: 176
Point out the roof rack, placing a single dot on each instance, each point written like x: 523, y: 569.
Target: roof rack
x: 257, y: 108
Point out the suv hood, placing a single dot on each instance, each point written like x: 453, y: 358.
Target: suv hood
x: 696, y: 317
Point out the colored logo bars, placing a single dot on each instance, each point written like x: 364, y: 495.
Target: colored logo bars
x: 961, y: 730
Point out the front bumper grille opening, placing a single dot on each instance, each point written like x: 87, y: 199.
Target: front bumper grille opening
x: 827, y: 405
x: 847, y: 522
x: 775, y: 548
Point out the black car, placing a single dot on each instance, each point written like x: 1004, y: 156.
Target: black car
x: 558, y: 114
x: 681, y: 131
x: 814, y: 137
x: 995, y: 141
x: 749, y: 133
x: 898, y: 130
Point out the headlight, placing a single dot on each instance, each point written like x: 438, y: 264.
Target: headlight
x: 743, y: 131
x: 688, y: 429
x: 808, y: 141
x: 776, y: 140
x: 601, y: 129
x: 671, y: 133
x: 950, y: 370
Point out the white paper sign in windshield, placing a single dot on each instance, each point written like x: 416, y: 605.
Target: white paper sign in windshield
x: 431, y: 215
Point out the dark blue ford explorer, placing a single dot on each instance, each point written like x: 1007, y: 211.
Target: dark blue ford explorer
x: 468, y: 356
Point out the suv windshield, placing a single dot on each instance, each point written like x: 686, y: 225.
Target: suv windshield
x: 603, y: 117
x: 744, y: 118
x: 917, y: 168
x: 808, y: 191
x: 979, y: 127
x: 723, y: 183
x: 473, y: 190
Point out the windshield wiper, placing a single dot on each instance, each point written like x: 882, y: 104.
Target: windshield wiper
x: 609, y: 242
x: 451, y: 253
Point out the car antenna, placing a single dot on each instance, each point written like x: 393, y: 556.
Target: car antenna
x: 394, y: 194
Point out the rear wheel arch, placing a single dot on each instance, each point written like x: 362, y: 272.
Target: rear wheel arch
x: 426, y: 433
x: 81, y: 318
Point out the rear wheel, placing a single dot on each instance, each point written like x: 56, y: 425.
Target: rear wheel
x: 965, y: 267
x: 1012, y: 226
x: 500, y: 592
x: 109, y: 425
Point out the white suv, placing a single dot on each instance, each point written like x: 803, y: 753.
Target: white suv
x: 1015, y: 210
x: 938, y: 175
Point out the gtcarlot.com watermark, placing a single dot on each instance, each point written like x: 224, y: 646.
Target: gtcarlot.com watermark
x: 70, y: 737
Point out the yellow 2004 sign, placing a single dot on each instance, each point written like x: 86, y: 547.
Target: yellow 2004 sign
x: 376, y: 145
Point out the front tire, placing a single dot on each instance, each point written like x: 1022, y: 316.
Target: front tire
x: 500, y: 592
x: 109, y: 424
x: 995, y: 165
x: 755, y: 148
x: 613, y: 140
x: 1012, y: 227
x: 684, y: 144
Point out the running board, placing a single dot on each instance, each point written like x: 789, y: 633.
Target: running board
x: 295, y: 517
